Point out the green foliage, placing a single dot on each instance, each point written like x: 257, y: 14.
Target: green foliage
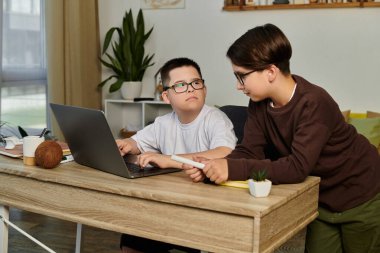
x: 129, y: 61
x: 260, y: 175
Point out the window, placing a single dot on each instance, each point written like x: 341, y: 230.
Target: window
x: 23, y: 85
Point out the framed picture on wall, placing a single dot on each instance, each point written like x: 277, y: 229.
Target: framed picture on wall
x: 162, y: 4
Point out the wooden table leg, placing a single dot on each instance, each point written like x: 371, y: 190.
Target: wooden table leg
x: 4, y: 213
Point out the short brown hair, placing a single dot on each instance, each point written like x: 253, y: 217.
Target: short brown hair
x: 261, y: 47
x: 176, y: 63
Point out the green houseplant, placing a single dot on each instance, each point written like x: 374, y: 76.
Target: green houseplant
x: 259, y: 176
x: 259, y: 185
x: 128, y: 60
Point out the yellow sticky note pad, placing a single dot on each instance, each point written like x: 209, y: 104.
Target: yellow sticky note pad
x: 237, y: 184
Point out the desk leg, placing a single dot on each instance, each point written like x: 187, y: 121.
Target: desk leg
x: 78, y: 240
x: 4, y: 212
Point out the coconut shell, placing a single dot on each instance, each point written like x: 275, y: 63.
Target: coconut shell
x: 48, y: 154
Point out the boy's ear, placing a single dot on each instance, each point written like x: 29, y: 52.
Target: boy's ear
x: 165, y: 97
x: 272, y: 72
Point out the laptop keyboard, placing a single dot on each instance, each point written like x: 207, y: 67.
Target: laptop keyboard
x: 134, y: 168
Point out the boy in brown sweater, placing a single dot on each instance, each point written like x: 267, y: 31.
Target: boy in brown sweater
x: 295, y: 129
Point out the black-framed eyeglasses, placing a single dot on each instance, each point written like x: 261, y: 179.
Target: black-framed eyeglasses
x: 182, y: 86
x: 240, y: 77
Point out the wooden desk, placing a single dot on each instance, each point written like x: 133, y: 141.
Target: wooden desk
x: 168, y: 207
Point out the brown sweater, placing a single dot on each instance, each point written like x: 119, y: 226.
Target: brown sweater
x: 308, y: 136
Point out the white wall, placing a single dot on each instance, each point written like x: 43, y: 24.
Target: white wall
x: 338, y: 49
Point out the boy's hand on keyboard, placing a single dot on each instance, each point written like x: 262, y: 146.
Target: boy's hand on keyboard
x: 127, y: 146
x: 155, y: 159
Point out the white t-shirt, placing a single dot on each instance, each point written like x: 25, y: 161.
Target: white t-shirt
x: 167, y: 135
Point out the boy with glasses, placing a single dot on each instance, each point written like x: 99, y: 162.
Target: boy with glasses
x: 295, y: 129
x: 192, y: 129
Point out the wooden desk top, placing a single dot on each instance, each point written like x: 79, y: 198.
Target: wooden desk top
x: 276, y: 218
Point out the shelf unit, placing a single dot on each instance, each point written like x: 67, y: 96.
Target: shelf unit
x: 130, y: 115
x: 242, y: 7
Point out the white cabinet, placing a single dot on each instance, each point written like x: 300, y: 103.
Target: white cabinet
x: 133, y: 116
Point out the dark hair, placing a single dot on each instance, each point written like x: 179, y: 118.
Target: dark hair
x: 176, y: 63
x: 261, y: 47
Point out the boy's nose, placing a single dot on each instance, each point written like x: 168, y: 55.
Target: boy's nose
x: 239, y: 86
x: 190, y: 88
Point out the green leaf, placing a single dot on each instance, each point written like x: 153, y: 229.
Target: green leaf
x: 146, y: 36
x: 140, y: 22
x: 260, y: 175
x: 131, y: 32
x: 120, y: 32
x: 116, y: 85
x: 115, y: 63
x: 147, y: 60
x: 105, y: 81
x: 109, y: 65
x: 108, y: 38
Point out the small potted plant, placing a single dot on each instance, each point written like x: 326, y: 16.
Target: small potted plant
x: 128, y: 60
x: 259, y: 185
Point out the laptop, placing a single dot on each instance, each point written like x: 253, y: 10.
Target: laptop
x: 92, y: 144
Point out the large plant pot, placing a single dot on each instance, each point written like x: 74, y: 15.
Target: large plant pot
x: 131, y: 90
x: 259, y: 189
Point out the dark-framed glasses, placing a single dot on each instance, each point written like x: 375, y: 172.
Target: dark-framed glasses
x: 240, y: 77
x: 181, y: 87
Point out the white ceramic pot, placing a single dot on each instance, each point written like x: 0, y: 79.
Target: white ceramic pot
x: 131, y: 90
x: 259, y: 189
